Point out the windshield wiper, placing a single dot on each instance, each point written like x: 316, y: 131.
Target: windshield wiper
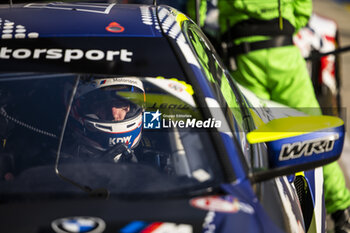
x: 99, y: 192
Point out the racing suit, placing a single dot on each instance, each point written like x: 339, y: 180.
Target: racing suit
x: 259, y: 36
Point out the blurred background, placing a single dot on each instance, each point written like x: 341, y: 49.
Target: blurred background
x: 339, y: 11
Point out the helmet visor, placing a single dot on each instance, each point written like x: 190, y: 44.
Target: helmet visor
x: 111, y: 103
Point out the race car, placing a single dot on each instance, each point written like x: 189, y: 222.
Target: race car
x: 122, y: 118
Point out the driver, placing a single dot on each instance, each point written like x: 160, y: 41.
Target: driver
x: 106, y: 113
x: 119, y: 112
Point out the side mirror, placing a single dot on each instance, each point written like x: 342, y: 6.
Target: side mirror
x: 298, y: 143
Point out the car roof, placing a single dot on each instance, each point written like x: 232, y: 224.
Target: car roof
x: 79, y: 19
x: 116, y: 39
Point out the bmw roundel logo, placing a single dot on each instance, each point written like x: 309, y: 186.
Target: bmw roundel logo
x: 78, y: 225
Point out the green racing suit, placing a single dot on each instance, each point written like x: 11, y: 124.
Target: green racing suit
x: 277, y: 73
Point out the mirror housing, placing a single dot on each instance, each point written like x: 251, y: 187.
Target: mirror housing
x: 297, y: 144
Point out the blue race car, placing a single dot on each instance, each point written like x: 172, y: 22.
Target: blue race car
x: 122, y: 118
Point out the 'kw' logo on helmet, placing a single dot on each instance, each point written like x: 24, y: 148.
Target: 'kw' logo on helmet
x: 126, y: 140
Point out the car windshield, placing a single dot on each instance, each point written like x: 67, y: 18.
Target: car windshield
x: 72, y: 134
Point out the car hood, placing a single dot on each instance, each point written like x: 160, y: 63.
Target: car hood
x: 179, y: 215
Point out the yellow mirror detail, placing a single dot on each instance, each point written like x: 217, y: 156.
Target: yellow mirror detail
x: 291, y: 127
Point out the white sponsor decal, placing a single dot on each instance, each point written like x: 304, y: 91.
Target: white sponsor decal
x: 201, y: 175
x: 10, y: 30
x: 209, y: 225
x: 67, y: 55
x: 307, y: 148
x: 294, y: 224
x: 176, y: 88
x: 100, y: 8
x: 131, y: 81
x: 126, y: 140
x: 168, y: 227
x: 219, y: 204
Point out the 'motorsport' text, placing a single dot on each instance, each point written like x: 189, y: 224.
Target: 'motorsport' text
x: 67, y: 55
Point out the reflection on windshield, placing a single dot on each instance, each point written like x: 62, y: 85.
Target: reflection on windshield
x: 77, y: 133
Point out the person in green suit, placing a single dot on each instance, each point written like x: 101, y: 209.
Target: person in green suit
x: 259, y: 35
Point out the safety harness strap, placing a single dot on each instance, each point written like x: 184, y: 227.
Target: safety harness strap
x: 254, y: 27
x: 246, y: 47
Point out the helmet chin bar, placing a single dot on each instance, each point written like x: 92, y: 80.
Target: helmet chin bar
x: 94, y: 124
x: 110, y: 134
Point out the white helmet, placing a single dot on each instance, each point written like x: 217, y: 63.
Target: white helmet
x: 110, y: 111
